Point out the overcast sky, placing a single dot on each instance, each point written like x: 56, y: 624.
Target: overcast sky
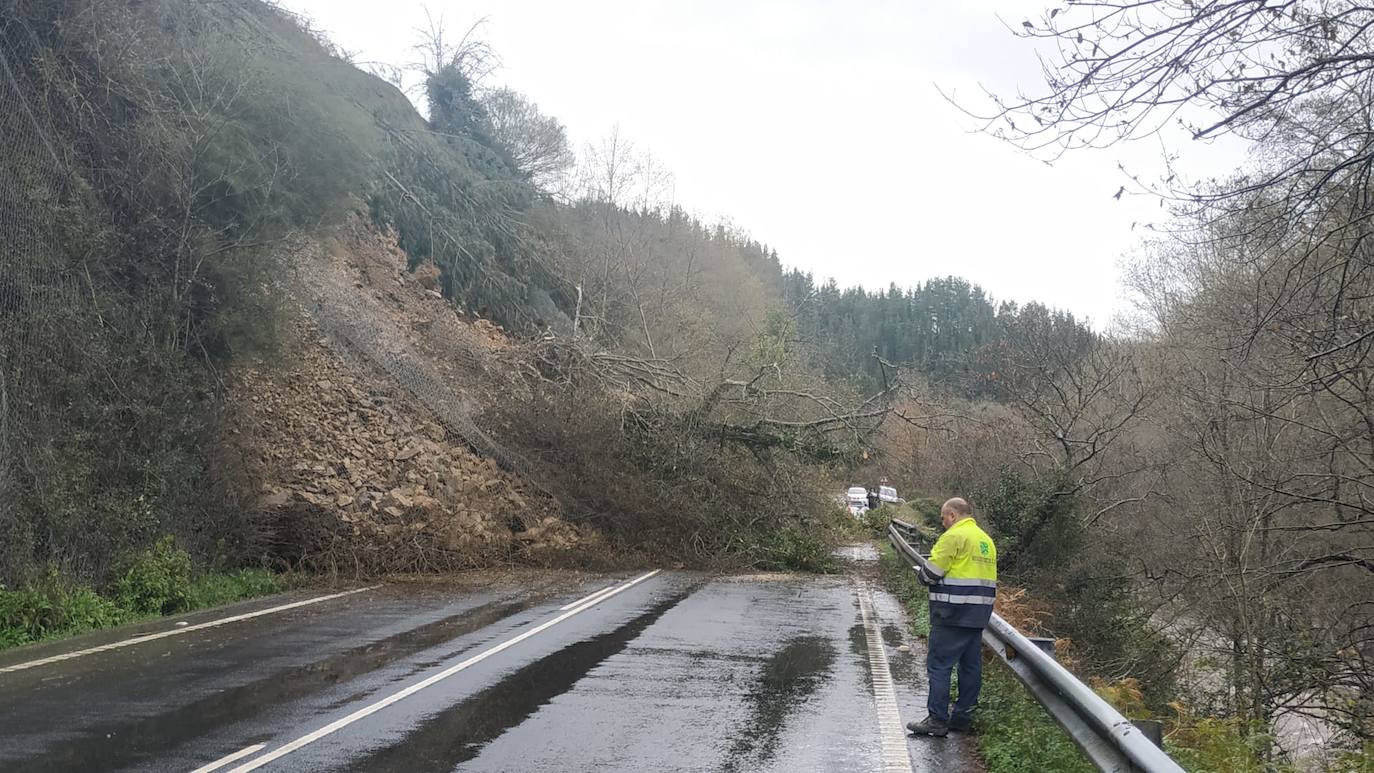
x: 816, y: 126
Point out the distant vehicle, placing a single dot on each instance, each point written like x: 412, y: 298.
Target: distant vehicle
x: 857, y: 498
x: 888, y: 494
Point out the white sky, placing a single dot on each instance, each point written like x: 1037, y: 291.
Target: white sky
x: 816, y: 126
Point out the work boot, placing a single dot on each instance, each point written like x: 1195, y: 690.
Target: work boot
x: 959, y: 723
x: 929, y: 726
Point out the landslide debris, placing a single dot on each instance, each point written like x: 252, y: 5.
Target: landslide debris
x: 349, y: 470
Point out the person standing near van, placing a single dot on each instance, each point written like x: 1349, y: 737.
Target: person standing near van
x: 963, y: 587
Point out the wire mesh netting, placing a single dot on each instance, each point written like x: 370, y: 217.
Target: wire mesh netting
x: 32, y: 282
x: 366, y: 335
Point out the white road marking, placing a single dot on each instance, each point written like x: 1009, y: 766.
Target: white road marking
x: 333, y: 727
x: 584, y: 599
x: 235, y: 757
x: 890, y: 730
x: 143, y: 638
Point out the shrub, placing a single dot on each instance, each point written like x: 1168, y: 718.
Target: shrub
x: 787, y: 549
x: 1034, y: 521
x: 158, y: 581
x: 1216, y: 745
x: 1355, y: 760
x: 51, y: 608
x: 874, y: 522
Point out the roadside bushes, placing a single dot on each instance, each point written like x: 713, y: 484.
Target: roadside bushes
x: 163, y: 581
x: 1015, y: 735
x: 1035, y: 520
x: 159, y: 581
x: 50, y: 608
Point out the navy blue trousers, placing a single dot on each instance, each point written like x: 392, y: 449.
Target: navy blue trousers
x: 950, y: 647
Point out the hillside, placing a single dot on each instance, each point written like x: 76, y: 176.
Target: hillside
x: 252, y: 299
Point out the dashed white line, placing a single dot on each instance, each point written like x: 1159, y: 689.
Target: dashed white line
x: 892, y: 735
x: 147, y: 637
x: 228, y: 758
x: 587, y: 603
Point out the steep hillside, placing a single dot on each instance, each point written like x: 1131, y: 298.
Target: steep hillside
x: 148, y: 183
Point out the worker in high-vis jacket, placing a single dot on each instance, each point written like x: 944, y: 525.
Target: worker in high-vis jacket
x: 962, y: 578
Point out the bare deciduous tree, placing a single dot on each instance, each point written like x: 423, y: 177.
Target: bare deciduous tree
x: 537, y: 143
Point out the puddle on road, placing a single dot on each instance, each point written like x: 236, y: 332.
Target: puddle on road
x: 905, y: 666
x: 892, y: 636
x: 858, y: 643
x: 787, y: 679
x: 136, y: 739
x: 460, y: 733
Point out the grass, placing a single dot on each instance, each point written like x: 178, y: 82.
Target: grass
x: 159, y: 581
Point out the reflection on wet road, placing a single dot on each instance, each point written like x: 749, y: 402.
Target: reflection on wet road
x: 787, y: 681
x: 673, y: 672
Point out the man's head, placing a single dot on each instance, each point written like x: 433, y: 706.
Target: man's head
x: 953, y: 511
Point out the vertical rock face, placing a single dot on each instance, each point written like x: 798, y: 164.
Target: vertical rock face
x: 344, y: 464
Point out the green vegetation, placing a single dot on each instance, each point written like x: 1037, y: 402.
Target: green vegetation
x: 160, y: 581
x: 1356, y: 761
x: 788, y: 549
x: 948, y: 329
x: 1015, y: 735
x: 1217, y: 745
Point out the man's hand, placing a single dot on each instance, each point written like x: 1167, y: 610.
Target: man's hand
x: 927, y: 579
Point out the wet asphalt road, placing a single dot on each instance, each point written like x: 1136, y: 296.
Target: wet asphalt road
x: 674, y: 672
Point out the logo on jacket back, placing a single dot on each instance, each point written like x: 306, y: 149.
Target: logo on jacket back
x: 984, y: 547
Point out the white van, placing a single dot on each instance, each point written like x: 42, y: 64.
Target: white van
x: 888, y: 495
x: 857, y: 496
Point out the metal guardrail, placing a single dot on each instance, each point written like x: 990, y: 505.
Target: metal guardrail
x: 1108, y: 739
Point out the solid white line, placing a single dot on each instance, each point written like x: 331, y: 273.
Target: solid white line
x: 585, y: 599
x: 896, y: 758
x: 367, y: 711
x: 147, y: 637
x: 235, y: 757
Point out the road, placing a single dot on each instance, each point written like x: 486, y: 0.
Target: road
x: 518, y: 671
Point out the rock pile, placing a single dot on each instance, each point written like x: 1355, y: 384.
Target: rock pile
x: 332, y: 439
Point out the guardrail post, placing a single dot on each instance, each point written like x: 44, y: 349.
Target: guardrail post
x: 1045, y: 644
x: 1152, y: 729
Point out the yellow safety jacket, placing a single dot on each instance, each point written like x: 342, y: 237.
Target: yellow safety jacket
x: 963, y: 576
